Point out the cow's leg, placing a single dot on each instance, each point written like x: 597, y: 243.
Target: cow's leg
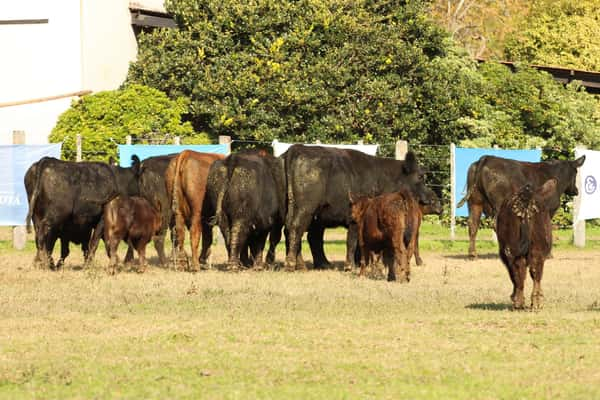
x: 390, y: 262
x: 159, y: 245
x: 316, y: 232
x: 475, y: 211
x: 536, y: 270
x: 195, y: 235
x: 207, y: 240
x: 140, y: 247
x: 274, y: 239
x: 351, y: 246
x: 64, y: 252
x: 401, y: 257
x: 41, y: 238
x: 239, y: 244
x: 179, y: 252
x: 257, y: 247
x: 418, y: 259
x: 129, y: 255
x: 97, y: 234
x: 520, y: 270
x: 296, y: 225
x: 112, y: 244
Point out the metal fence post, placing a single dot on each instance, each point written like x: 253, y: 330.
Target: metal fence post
x: 19, y: 232
x: 452, y: 187
x: 578, y: 226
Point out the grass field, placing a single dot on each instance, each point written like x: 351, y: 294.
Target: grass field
x: 448, y: 334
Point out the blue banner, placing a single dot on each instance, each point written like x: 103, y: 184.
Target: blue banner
x: 144, y: 151
x: 15, y: 160
x: 465, y: 157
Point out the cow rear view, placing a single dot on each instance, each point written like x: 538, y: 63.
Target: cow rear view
x: 387, y: 224
x: 524, y: 230
x: 133, y: 220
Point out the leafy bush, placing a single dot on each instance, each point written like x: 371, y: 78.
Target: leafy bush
x: 106, y: 118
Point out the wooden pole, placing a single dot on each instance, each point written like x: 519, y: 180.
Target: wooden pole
x: 19, y: 232
x: 42, y: 99
x: 177, y: 140
x: 401, y: 149
x: 224, y: 139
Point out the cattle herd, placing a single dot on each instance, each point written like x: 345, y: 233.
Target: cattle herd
x: 252, y: 195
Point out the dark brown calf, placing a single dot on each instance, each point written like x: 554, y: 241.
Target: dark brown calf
x: 524, y: 231
x: 387, y: 224
x: 133, y: 220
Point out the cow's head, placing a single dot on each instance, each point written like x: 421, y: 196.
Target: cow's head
x: 432, y: 204
x: 358, y: 205
x: 127, y: 178
x: 570, y: 172
x: 547, y: 191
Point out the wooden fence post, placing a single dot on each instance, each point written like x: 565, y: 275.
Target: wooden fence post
x: 19, y: 232
x: 578, y: 226
x: 224, y: 139
x: 128, y: 139
x: 177, y: 140
x: 401, y: 149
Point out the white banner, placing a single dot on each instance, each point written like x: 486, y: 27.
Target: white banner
x: 279, y: 148
x: 588, y: 185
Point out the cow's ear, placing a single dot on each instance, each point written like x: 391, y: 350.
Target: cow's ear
x: 579, y: 162
x: 135, y: 164
x: 547, y: 190
x: 351, y: 197
x: 410, y: 163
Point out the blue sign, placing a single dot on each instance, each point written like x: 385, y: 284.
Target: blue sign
x: 144, y: 151
x: 465, y: 157
x: 15, y: 160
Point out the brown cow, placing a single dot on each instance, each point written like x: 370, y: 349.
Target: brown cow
x: 387, y: 224
x: 185, y: 181
x: 132, y: 219
x: 524, y: 232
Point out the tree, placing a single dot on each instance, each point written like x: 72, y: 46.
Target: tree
x: 105, y: 119
x: 563, y: 33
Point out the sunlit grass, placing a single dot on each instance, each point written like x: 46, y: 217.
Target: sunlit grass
x: 448, y: 334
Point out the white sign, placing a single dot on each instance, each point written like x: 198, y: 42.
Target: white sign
x: 371, y: 149
x: 589, y: 182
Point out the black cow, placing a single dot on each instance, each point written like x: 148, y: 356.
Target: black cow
x: 151, y: 179
x: 66, y: 201
x: 491, y: 180
x: 251, y: 205
x: 318, y: 182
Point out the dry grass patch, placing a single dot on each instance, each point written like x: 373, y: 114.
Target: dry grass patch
x: 447, y: 334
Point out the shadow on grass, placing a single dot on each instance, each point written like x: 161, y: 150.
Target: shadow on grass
x: 490, y: 306
x: 484, y: 256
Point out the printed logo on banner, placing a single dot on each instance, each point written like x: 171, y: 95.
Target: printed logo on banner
x: 590, y: 184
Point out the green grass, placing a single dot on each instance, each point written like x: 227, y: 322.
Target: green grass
x: 448, y: 334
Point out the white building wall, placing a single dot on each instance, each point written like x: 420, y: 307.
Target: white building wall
x: 86, y: 45
x: 38, y: 60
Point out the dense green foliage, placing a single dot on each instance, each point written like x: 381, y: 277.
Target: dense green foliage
x: 337, y: 71
x: 563, y: 33
x: 106, y: 118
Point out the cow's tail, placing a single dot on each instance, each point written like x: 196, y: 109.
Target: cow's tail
x: 35, y: 194
x: 524, y: 238
x: 464, y: 199
x: 472, y: 174
x: 176, y: 183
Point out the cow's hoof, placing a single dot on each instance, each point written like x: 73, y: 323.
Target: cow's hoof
x: 419, y: 261
x: 472, y: 257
